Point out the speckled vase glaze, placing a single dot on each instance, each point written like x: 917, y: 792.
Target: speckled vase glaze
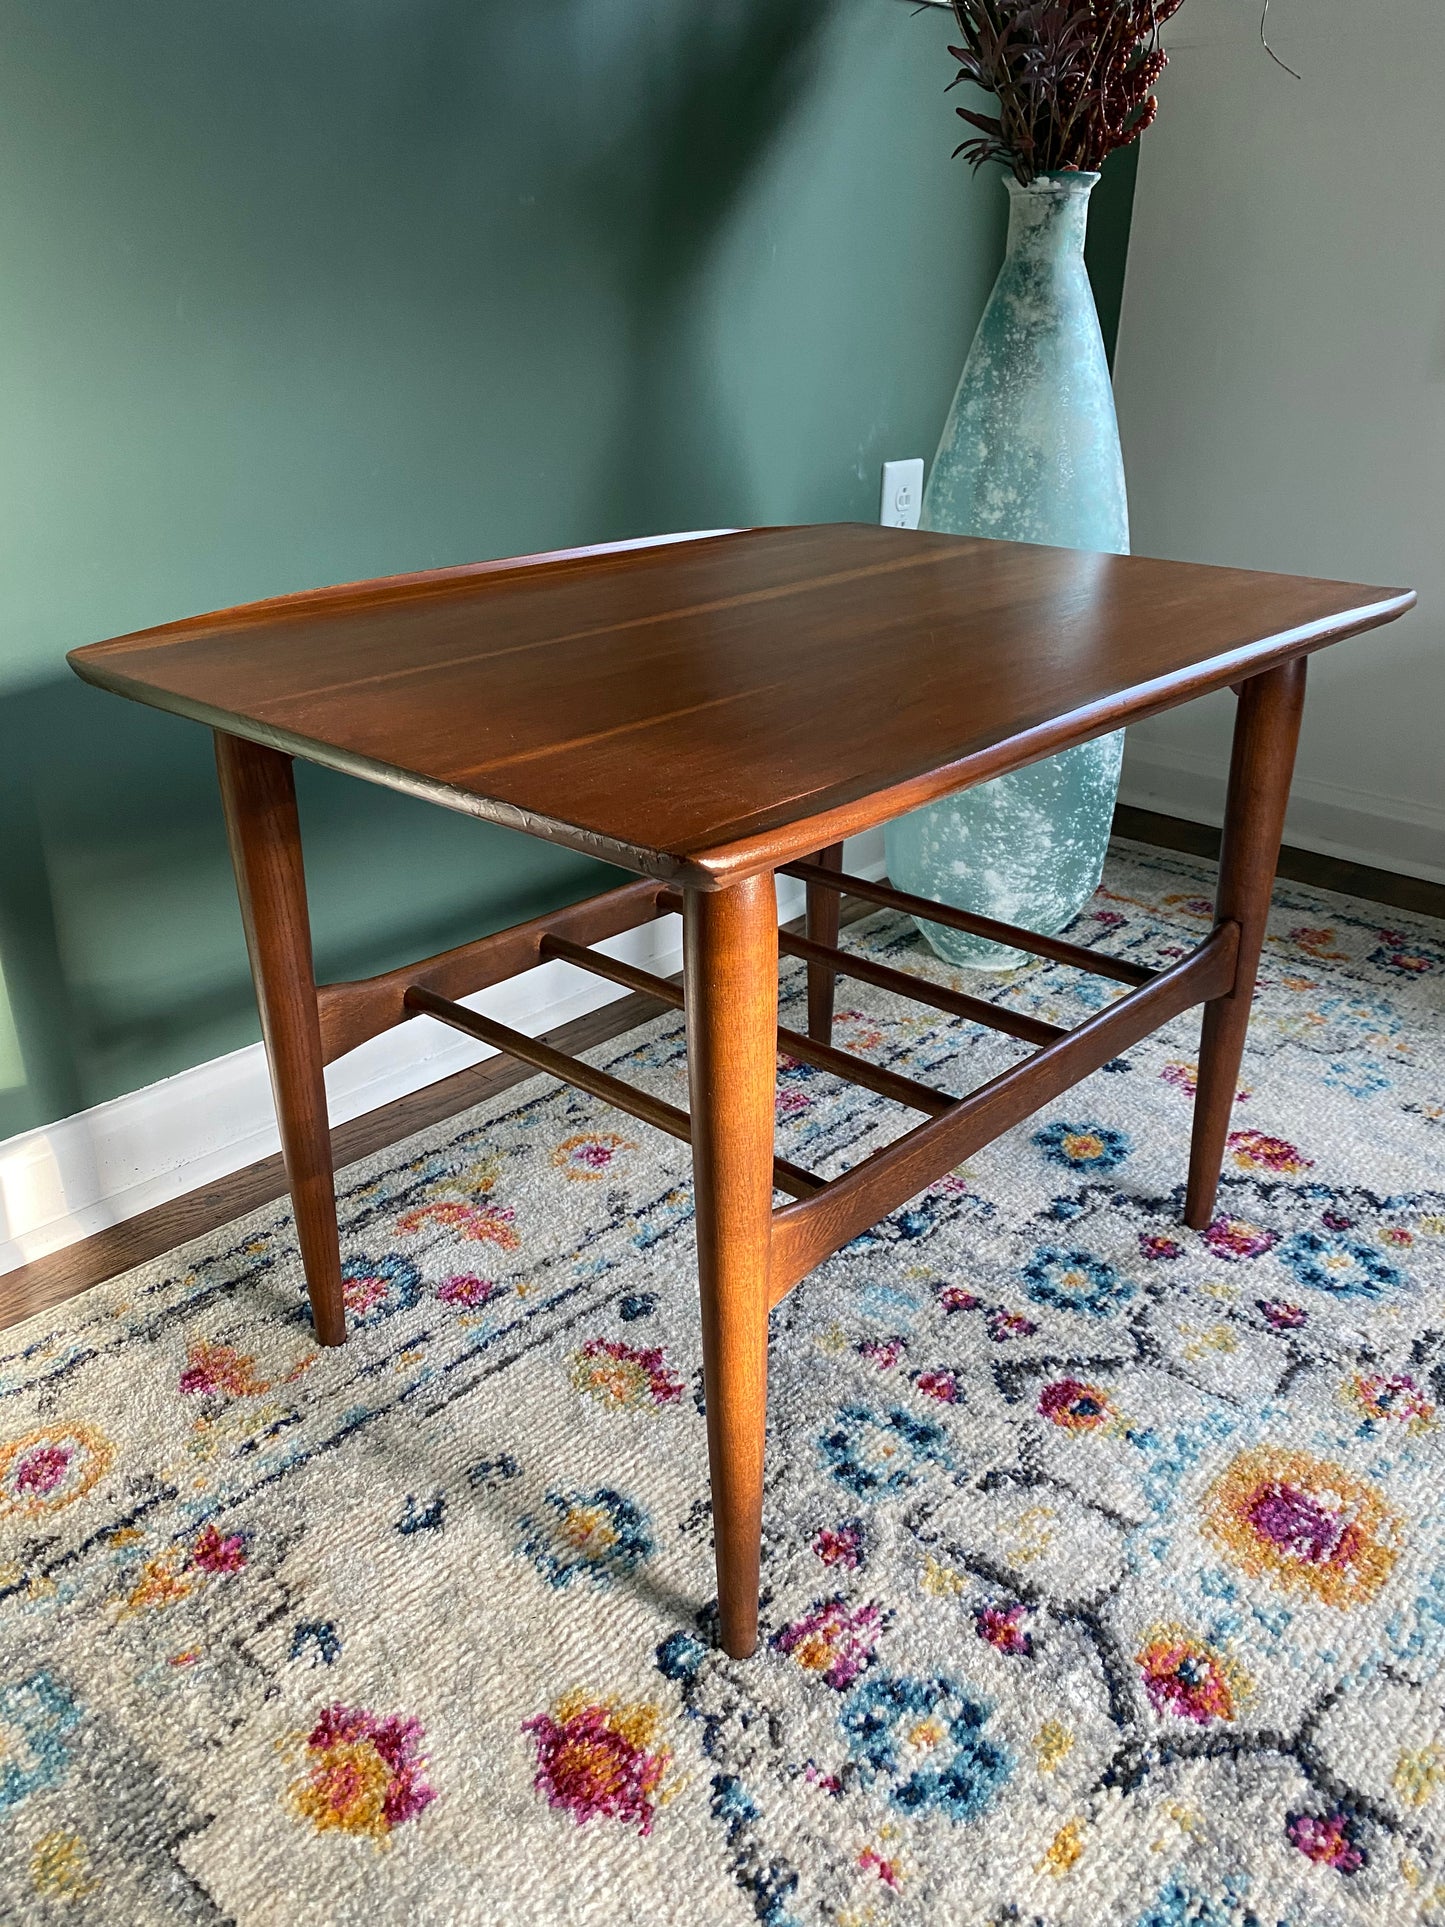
x: 1030, y: 453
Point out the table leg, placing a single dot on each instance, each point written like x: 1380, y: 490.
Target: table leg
x: 824, y: 910
x: 1266, y: 730
x: 265, y: 837
x: 731, y: 958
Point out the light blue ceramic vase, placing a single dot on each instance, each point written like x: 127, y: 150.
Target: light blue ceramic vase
x: 1030, y: 453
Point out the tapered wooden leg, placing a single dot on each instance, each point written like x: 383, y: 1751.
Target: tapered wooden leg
x: 824, y: 909
x: 1266, y: 730
x: 265, y: 838
x: 731, y: 958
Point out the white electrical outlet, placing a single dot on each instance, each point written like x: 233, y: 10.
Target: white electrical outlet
x: 902, y: 494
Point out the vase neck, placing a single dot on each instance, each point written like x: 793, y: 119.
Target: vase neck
x: 1048, y: 217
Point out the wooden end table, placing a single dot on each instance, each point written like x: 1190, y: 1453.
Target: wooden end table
x: 707, y: 712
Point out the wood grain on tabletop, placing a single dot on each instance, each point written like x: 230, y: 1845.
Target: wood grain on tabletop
x: 715, y: 707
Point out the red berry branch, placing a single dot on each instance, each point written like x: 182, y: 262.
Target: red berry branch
x: 1074, y: 79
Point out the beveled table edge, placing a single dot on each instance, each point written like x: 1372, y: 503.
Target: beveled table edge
x: 730, y: 861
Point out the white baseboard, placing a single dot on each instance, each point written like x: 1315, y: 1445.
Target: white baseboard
x: 68, y: 1180
x: 1384, y: 832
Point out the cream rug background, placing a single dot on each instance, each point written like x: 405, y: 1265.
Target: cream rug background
x: 1105, y: 1562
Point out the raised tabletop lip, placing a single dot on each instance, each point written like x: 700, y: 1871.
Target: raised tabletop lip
x: 775, y: 834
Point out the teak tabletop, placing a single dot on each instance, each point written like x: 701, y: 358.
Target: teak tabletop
x: 706, y: 712
x: 707, y: 709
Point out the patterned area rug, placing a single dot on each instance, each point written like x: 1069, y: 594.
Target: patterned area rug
x: 1104, y: 1562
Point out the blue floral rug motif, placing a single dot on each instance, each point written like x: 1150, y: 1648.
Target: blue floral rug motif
x: 1104, y: 1561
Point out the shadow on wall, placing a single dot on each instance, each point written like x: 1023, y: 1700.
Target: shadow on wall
x: 123, y: 952
x: 714, y: 89
x: 296, y: 295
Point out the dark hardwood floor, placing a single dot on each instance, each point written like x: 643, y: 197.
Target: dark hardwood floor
x: 1426, y: 899
x: 47, y: 1281
x: 50, y: 1280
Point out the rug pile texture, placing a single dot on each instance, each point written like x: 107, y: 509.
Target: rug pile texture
x: 1104, y: 1561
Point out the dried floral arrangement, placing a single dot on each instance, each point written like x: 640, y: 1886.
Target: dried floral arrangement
x: 1073, y: 79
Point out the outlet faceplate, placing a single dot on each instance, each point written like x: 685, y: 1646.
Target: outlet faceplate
x: 902, y: 494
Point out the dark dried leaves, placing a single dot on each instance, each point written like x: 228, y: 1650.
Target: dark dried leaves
x: 1074, y: 79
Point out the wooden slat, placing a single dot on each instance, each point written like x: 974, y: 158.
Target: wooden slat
x: 631, y: 976
x: 352, y: 1012
x: 873, y: 1077
x: 585, y: 1077
x: 824, y: 1057
x: 1054, y: 948
x: 805, y: 1233
x: 848, y: 963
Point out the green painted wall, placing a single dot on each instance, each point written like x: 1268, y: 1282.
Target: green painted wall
x: 1107, y: 249
x: 308, y: 290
